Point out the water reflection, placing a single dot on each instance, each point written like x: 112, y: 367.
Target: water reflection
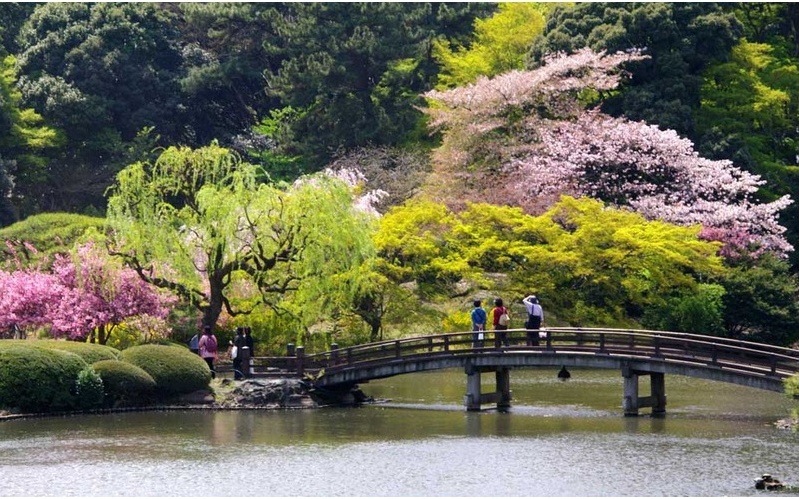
x: 558, y: 439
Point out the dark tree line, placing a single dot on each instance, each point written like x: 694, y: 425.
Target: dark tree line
x: 88, y: 88
x: 274, y: 81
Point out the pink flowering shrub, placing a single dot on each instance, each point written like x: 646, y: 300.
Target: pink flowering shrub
x: 87, y: 294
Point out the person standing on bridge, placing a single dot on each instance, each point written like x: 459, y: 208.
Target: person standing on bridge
x: 501, y: 321
x: 479, y: 319
x: 535, y: 318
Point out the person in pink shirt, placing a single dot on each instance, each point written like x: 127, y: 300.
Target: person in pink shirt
x: 208, y: 349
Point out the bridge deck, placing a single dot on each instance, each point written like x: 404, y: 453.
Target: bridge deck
x: 722, y: 359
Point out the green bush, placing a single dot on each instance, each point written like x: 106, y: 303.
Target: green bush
x: 89, y: 389
x: 90, y: 352
x: 124, y: 384
x: 38, y: 379
x: 175, y: 370
x: 49, y: 233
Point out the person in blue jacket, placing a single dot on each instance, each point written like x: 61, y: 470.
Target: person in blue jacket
x: 479, y: 318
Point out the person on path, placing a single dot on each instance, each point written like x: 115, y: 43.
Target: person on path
x: 238, y: 344
x: 479, y: 319
x: 248, y: 342
x: 194, y: 344
x: 535, y: 318
x: 501, y: 321
x: 250, y: 345
x: 208, y: 349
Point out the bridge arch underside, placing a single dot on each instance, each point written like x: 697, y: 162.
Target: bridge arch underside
x: 352, y: 375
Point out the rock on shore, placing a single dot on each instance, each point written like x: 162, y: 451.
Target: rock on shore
x: 264, y: 393
x: 283, y: 393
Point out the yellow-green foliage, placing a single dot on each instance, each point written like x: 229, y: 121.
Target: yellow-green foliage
x: 791, y: 386
x: 457, y: 321
x: 418, y: 241
x: 501, y: 44
x: 593, y: 265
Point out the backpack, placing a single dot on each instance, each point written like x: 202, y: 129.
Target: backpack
x: 210, y: 344
x: 504, y: 319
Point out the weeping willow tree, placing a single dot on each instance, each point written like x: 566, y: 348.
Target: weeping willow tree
x: 204, y: 225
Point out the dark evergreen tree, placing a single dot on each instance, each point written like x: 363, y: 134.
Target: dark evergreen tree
x: 102, y: 73
x: 223, y: 85
x: 352, y: 72
x: 681, y: 38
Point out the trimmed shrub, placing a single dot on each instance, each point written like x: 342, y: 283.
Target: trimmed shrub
x: 50, y: 233
x: 38, y: 379
x: 89, y: 389
x: 90, y: 352
x: 175, y: 370
x: 124, y: 383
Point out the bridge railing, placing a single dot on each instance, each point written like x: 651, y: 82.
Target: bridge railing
x: 753, y: 358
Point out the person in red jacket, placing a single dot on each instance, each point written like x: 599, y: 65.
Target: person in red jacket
x: 501, y: 321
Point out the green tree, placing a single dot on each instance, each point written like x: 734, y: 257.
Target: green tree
x: 415, y: 243
x: 199, y: 223
x: 102, y: 72
x: 354, y: 71
x: 225, y: 57
x: 681, y: 38
x: 25, y: 141
x: 761, y: 301
x: 595, y: 265
x: 699, y: 311
x: 501, y: 44
x: 12, y: 16
x: 592, y: 265
x: 750, y: 114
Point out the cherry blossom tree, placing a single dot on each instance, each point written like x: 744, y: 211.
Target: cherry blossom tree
x: 28, y: 299
x: 101, y: 294
x: 87, y: 295
x: 527, y: 137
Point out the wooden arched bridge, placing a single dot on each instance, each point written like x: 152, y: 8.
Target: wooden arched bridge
x: 634, y: 352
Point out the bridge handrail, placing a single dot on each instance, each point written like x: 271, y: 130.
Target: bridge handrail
x: 652, y: 343
x: 716, y: 339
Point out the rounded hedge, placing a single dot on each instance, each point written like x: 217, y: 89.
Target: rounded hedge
x: 176, y: 370
x: 90, y: 352
x: 38, y: 379
x: 89, y: 389
x: 124, y: 384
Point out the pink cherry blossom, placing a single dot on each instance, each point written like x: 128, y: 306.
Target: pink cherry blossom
x: 525, y: 138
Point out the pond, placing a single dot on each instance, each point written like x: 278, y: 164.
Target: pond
x: 560, y: 438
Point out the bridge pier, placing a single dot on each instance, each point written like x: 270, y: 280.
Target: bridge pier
x: 474, y: 399
x: 631, y: 402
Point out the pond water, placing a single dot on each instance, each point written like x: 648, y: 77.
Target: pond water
x: 560, y: 438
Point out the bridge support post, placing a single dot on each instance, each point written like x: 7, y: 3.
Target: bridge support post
x: 503, y: 388
x: 630, y: 399
x: 472, y: 398
x: 632, y: 402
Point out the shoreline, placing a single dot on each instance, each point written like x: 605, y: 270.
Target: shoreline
x: 253, y: 394
x: 225, y: 394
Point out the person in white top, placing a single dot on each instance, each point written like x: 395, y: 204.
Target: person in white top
x: 535, y: 318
